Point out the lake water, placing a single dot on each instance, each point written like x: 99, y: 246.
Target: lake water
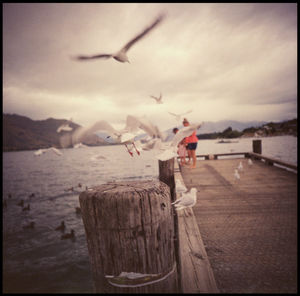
x: 37, y: 260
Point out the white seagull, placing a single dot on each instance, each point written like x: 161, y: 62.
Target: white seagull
x: 121, y: 55
x: 240, y: 167
x: 158, y: 100
x: 124, y: 136
x: 42, y: 151
x: 180, y: 187
x: 170, y: 149
x: 64, y: 127
x: 250, y: 162
x: 236, y: 174
x: 178, y: 116
x: 188, y: 199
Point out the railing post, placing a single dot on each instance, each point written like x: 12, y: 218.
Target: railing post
x: 129, y: 230
x: 256, y: 146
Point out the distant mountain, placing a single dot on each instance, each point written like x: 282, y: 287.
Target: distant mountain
x: 219, y: 126
x: 23, y: 133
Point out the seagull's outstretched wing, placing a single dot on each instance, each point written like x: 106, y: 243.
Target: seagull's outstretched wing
x: 81, y: 133
x: 142, y: 34
x: 98, y: 56
x: 184, y: 132
x: 147, y: 126
x: 187, y: 112
x: 155, y: 98
x: 173, y: 114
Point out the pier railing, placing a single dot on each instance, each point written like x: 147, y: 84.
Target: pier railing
x: 256, y: 154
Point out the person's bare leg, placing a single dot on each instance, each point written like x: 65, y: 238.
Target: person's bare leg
x: 189, y: 156
x: 193, y: 154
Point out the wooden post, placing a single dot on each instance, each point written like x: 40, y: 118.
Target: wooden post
x: 129, y: 228
x: 256, y: 146
x: 166, y: 175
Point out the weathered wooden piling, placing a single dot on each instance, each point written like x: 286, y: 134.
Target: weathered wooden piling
x: 256, y: 146
x: 129, y: 228
x: 166, y: 175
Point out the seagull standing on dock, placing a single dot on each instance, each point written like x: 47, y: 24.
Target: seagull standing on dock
x: 187, y: 200
x: 158, y: 100
x: 250, y: 162
x: 121, y: 55
x: 240, y: 167
x: 237, y: 175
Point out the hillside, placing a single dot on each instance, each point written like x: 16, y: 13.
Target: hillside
x: 270, y: 129
x: 23, y: 133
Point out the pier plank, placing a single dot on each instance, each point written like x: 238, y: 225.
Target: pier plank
x: 195, y: 271
x: 248, y: 226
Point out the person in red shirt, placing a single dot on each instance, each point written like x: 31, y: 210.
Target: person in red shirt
x: 192, y: 142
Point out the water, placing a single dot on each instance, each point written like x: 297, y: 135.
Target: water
x: 37, y: 260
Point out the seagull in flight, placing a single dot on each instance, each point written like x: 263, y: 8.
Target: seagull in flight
x: 121, y: 55
x: 170, y: 149
x: 178, y: 116
x: 188, y: 199
x: 158, y: 100
x: 64, y: 127
x: 124, y: 136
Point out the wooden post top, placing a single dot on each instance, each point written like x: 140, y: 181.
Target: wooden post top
x: 125, y: 186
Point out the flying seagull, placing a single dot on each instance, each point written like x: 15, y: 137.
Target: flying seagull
x: 121, y: 55
x: 170, y: 149
x: 158, y: 100
x: 178, y: 116
x: 64, y: 127
x: 124, y: 136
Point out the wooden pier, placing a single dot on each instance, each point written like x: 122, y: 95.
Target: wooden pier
x: 241, y: 236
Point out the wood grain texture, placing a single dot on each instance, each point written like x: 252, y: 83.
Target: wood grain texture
x: 248, y: 226
x: 129, y: 228
x: 195, y: 271
x: 166, y: 174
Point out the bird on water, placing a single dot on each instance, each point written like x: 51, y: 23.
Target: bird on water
x: 61, y: 227
x: 68, y: 235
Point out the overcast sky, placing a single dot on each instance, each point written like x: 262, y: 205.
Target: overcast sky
x: 224, y: 61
